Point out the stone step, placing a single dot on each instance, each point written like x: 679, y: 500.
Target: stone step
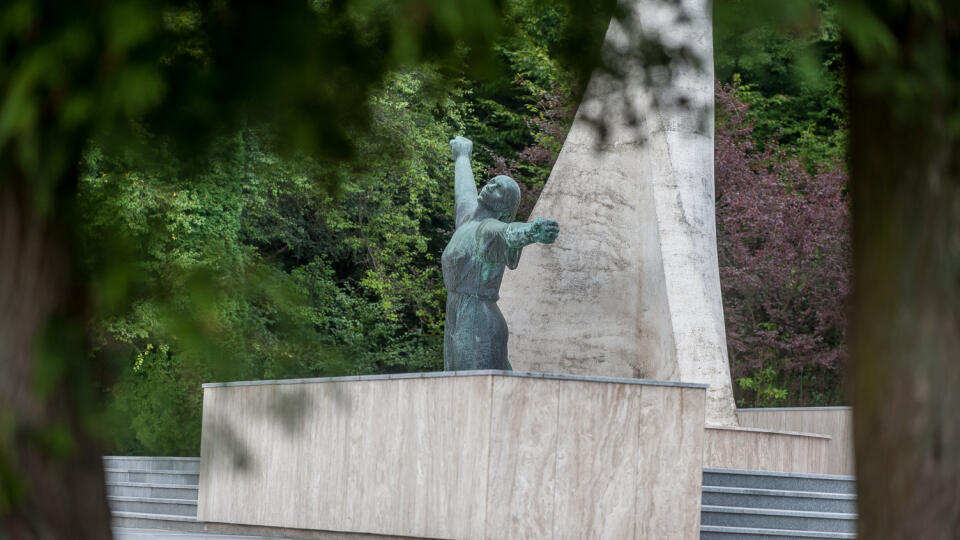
x: 763, y: 518
x: 714, y: 532
x: 779, y: 499
x: 151, y: 505
x: 159, y: 491
x: 139, y: 520
x: 152, y: 463
x: 819, y: 483
x: 183, y: 478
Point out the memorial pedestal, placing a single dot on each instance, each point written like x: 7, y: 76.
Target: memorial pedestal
x: 482, y: 454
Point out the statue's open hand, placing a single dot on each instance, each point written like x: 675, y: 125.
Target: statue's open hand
x: 544, y: 231
x: 461, y: 146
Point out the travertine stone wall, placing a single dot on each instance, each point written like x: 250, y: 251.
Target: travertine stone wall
x: 456, y: 455
x: 631, y: 288
x: 755, y: 449
x: 837, y: 422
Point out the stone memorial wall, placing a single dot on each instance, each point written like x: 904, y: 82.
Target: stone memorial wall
x: 456, y: 455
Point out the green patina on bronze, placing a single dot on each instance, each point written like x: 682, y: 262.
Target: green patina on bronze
x: 485, y: 242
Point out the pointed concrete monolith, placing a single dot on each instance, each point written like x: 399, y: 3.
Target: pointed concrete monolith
x: 631, y: 288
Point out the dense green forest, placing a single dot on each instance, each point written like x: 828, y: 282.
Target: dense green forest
x: 280, y: 265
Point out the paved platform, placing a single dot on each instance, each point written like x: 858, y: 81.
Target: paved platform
x: 123, y: 533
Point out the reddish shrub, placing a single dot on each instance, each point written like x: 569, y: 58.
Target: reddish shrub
x: 784, y: 249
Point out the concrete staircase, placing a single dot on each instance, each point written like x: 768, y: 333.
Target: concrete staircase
x: 754, y: 505
x: 153, y: 492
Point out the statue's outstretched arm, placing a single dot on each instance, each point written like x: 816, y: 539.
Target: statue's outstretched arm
x: 543, y: 231
x: 503, y: 242
x: 465, y: 189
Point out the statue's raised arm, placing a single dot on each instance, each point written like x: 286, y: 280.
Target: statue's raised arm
x: 485, y: 243
x: 465, y: 189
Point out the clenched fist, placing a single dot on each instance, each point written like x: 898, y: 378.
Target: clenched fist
x: 544, y: 231
x: 461, y: 146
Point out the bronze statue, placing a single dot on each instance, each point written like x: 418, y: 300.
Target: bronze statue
x: 486, y: 241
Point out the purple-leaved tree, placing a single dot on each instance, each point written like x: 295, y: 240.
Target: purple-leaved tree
x: 783, y: 238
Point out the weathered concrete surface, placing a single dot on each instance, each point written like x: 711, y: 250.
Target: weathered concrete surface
x: 466, y: 455
x: 631, y: 288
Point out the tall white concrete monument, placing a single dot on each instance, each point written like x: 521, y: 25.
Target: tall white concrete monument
x: 632, y: 288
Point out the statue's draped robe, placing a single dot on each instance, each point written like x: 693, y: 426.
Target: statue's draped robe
x: 473, y: 263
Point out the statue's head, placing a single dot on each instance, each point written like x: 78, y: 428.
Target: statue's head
x: 502, y: 195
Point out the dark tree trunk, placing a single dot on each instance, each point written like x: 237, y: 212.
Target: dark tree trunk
x: 905, y: 339
x: 51, y: 473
